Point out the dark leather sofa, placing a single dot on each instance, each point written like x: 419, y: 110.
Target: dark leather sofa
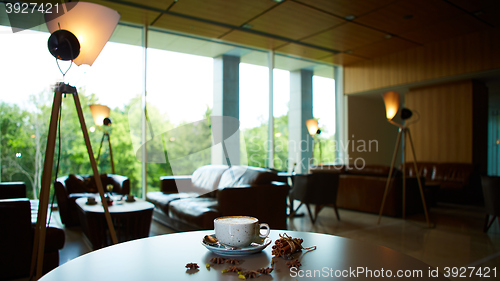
x: 193, y: 202
x: 18, y: 219
x: 458, y: 183
x: 71, y: 187
x: 362, y: 189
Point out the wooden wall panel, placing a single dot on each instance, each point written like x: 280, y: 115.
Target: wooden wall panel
x: 444, y: 132
x: 459, y: 55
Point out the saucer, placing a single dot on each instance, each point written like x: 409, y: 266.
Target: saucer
x: 257, y: 246
x: 91, y: 203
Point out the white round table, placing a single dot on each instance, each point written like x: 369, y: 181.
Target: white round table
x: 165, y: 257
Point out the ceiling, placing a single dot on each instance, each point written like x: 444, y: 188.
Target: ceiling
x: 339, y: 32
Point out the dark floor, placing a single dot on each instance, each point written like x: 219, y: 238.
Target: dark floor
x: 455, y: 238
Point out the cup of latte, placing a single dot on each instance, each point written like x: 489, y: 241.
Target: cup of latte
x: 239, y: 231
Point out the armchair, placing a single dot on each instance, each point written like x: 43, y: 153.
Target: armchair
x: 316, y: 188
x: 16, y: 240
x: 71, y: 187
x: 491, y: 193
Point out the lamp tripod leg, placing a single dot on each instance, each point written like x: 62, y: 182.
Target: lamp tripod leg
x: 93, y: 163
x: 40, y: 228
x: 390, y: 174
x: 111, y: 156
x: 100, y: 148
x: 418, y: 179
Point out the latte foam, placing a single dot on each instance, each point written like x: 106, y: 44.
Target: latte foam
x: 236, y: 220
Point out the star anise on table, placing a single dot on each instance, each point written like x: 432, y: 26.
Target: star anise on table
x: 250, y: 274
x: 192, y: 265
x: 218, y: 260
x: 234, y: 269
x: 233, y: 261
x: 266, y: 270
x: 295, y: 263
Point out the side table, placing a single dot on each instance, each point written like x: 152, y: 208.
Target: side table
x: 132, y: 220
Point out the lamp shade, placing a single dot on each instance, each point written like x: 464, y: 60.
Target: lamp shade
x: 391, y: 101
x: 312, y: 126
x: 91, y: 23
x: 99, y: 113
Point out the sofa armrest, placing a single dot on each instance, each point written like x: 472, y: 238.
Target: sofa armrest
x: 175, y: 184
x: 267, y: 202
x: 10, y: 190
x: 122, y: 183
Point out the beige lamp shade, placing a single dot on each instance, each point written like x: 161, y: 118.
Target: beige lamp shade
x: 312, y: 126
x: 99, y: 112
x: 391, y: 101
x: 91, y: 23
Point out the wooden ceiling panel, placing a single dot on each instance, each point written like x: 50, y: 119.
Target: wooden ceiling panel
x: 190, y: 26
x: 254, y: 40
x: 341, y: 37
x: 294, y: 20
x: 303, y: 51
x: 383, y: 47
x: 133, y: 14
x: 445, y: 29
x: 342, y: 59
x: 406, y: 15
x: 157, y: 4
x: 234, y: 12
x: 344, y: 8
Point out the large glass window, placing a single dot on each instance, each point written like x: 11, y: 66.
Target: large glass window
x: 177, y: 84
x: 26, y: 103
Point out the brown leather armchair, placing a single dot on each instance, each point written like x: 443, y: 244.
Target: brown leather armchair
x: 491, y: 193
x: 17, y: 235
x: 316, y: 188
x: 71, y: 187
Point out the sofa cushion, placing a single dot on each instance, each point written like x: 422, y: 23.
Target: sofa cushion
x: 206, y: 178
x: 199, y: 212
x: 162, y: 200
x: 246, y: 175
x: 75, y: 184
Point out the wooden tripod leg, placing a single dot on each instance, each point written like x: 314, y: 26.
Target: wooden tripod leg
x: 390, y: 174
x: 111, y: 155
x: 97, y: 178
x: 40, y: 228
x: 418, y: 179
x: 100, y: 148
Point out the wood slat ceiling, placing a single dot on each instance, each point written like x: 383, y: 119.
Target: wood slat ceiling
x: 331, y: 31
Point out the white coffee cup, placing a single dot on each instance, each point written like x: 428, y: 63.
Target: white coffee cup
x: 239, y: 231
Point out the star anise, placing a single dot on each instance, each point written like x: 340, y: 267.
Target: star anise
x: 266, y: 270
x: 192, y: 265
x: 218, y: 260
x: 250, y: 274
x: 234, y: 269
x: 295, y: 263
x: 233, y: 261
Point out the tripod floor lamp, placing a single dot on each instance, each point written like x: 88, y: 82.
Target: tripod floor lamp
x: 100, y: 114
x: 68, y: 25
x: 313, y: 128
x: 391, y: 100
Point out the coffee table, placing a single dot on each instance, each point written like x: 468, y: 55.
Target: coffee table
x: 131, y: 220
x: 165, y: 257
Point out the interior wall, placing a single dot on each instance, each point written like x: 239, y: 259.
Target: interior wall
x: 371, y: 139
x: 451, y: 123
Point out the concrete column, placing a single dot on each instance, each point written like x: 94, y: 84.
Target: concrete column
x: 226, y: 103
x: 300, y: 143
